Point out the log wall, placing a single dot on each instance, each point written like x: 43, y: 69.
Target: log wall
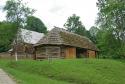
x: 60, y: 52
x: 48, y: 52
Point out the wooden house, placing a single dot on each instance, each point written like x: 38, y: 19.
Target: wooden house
x: 59, y: 43
x: 25, y: 43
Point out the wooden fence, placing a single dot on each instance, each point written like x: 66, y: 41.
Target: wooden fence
x: 6, y: 55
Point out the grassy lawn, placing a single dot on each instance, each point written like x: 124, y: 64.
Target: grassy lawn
x: 77, y: 71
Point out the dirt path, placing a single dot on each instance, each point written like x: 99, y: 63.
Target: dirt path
x: 5, y: 79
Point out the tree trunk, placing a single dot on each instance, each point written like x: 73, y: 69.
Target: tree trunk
x: 16, y: 55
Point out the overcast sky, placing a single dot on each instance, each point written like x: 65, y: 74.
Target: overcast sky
x: 56, y: 12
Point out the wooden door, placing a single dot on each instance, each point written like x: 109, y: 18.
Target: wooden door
x: 70, y: 53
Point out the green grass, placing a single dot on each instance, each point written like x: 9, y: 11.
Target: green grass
x: 78, y: 71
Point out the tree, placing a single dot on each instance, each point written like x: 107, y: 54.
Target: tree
x: 93, y: 31
x: 108, y: 44
x: 17, y: 12
x: 74, y: 25
x: 111, y: 17
x: 35, y: 24
x: 7, y: 33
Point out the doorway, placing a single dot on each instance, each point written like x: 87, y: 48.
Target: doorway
x: 81, y: 53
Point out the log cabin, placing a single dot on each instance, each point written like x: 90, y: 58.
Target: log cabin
x: 59, y: 43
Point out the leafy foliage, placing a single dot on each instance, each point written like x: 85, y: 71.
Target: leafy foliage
x: 7, y: 34
x: 35, y: 24
x: 74, y: 25
x: 93, y: 31
x: 17, y: 12
x: 111, y: 19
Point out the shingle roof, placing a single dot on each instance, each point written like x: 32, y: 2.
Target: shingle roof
x: 59, y: 36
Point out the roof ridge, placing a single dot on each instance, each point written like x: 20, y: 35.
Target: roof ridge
x: 30, y: 30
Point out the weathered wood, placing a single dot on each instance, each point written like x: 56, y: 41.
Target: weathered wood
x: 48, y: 52
x: 70, y: 52
x: 59, y: 43
x: 91, y: 53
x: 59, y: 36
